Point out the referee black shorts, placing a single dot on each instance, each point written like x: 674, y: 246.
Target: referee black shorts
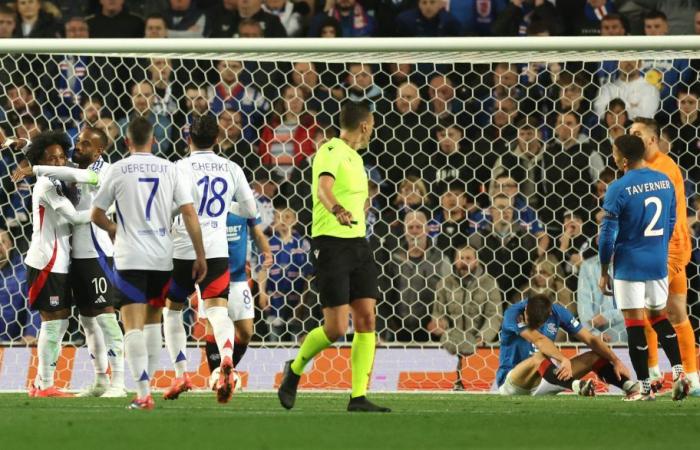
x: 345, y: 270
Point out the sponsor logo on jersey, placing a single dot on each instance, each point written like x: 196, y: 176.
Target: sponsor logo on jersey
x: 54, y: 300
x: 552, y: 328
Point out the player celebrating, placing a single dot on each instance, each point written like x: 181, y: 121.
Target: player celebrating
x: 48, y: 258
x: 640, y: 210
x: 533, y: 324
x: 240, y: 300
x: 220, y: 181
x: 144, y: 188
x: 90, y: 277
x: 345, y: 269
x: 679, y: 253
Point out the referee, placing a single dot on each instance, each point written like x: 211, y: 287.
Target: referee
x: 345, y: 269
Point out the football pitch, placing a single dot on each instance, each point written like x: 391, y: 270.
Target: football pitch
x: 319, y: 421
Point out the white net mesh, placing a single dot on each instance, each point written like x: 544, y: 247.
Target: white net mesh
x: 486, y: 177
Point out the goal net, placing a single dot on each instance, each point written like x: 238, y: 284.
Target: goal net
x: 487, y: 169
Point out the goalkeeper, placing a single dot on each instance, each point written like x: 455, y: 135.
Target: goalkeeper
x: 345, y: 269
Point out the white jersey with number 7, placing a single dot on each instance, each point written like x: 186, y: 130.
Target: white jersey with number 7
x: 216, y: 182
x: 144, y: 189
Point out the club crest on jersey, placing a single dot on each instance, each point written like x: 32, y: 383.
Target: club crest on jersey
x: 54, y: 300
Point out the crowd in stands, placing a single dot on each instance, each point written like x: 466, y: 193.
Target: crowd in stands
x: 486, y: 180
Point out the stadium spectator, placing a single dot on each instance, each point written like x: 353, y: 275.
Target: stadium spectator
x: 677, y: 14
x: 19, y: 100
x: 519, y: 14
x: 655, y: 23
x: 570, y: 166
x: 231, y: 144
x: 115, y: 21
x: 289, y: 14
x: 451, y: 162
x: 454, y: 221
x: 232, y: 93
x: 156, y: 26
x: 160, y: 73
x: 222, y: 19
x: 184, y: 19
x: 685, y: 132
x: 428, y: 19
x: 17, y: 322
x: 329, y: 27
x: 286, y: 140
x: 505, y: 247
x: 696, y: 21
x: 413, y: 273
x: 353, y: 19
x: 285, y: 283
x: 466, y: 313
x: 8, y: 22
x: 476, y: 16
x: 412, y: 195
x: 35, y: 22
x: 572, y: 246
x: 641, y: 98
x: 590, y: 20
x: 443, y: 102
x: 270, y: 23
x: 359, y: 84
x: 265, y: 187
x: 193, y: 104
x: 116, y: 148
x: 571, y: 97
x: 523, y: 162
x: 546, y: 278
x: 526, y: 215
x: 142, y: 105
x: 319, y: 100
x: 250, y: 28
x: 613, y: 25
x: 610, y: 127
x: 596, y: 310
x: 91, y: 109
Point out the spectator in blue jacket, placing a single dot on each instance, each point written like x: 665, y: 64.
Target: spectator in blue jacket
x: 17, y: 322
x: 286, y: 280
x: 352, y: 16
x: 429, y: 19
x: 476, y: 16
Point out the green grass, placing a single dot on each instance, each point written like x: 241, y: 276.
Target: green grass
x: 419, y: 421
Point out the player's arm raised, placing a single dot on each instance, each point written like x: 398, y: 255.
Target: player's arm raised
x: 604, y: 351
x: 67, y: 174
x: 548, y: 349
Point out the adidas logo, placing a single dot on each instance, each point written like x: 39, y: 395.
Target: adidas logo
x: 101, y: 299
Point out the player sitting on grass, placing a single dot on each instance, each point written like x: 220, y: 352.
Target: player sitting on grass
x: 530, y: 363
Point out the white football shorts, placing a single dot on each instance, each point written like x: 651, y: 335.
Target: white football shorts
x: 641, y: 294
x: 240, y: 301
x: 508, y: 388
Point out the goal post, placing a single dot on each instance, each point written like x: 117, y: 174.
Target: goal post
x: 487, y: 168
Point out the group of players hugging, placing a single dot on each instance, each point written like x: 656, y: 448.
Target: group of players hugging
x: 171, y: 238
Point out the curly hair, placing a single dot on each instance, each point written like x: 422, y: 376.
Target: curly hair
x: 45, y: 140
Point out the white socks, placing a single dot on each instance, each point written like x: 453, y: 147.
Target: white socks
x: 153, y: 344
x: 49, y: 348
x: 175, y: 340
x: 114, y: 340
x: 96, y: 345
x: 137, y: 356
x: 223, y: 329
